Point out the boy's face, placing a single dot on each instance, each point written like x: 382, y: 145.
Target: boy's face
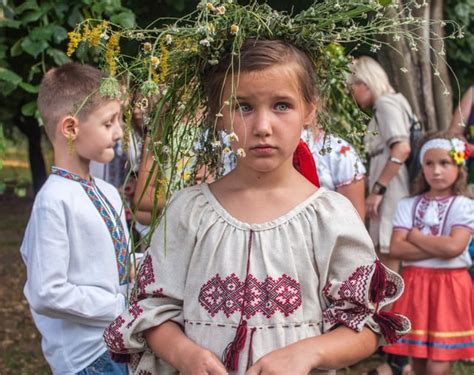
x: 98, y: 134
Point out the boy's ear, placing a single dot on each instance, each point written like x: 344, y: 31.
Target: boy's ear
x: 68, y: 127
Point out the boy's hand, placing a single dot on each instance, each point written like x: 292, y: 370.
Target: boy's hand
x: 413, y: 234
x: 288, y: 360
x: 199, y: 361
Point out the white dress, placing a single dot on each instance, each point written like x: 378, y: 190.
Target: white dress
x: 294, y: 277
x: 339, y: 164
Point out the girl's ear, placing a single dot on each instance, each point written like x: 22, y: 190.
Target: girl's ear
x: 310, y: 113
x: 68, y: 127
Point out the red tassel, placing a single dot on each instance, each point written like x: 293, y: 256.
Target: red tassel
x: 378, y: 284
x: 389, y: 324
x: 250, y: 352
x: 232, y: 351
x: 303, y: 161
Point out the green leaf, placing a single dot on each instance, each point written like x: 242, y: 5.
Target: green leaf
x: 32, y: 16
x: 58, y: 56
x: 75, y: 17
x: 125, y: 19
x: 98, y: 8
x: 29, y: 109
x: 27, y: 5
x: 59, y: 34
x: 42, y: 32
x: 29, y: 87
x: 385, y: 2
x: 9, y: 76
x: 7, y: 22
x: 34, y: 48
x: 16, y: 49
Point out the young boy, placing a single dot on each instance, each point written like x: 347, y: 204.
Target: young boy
x: 76, y: 243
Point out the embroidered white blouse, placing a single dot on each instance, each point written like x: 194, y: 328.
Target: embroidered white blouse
x: 72, y: 281
x: 340, y: 165
x: 297, y: 276
x: 436, y: 217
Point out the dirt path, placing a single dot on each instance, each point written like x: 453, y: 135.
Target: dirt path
x: 20, y: 350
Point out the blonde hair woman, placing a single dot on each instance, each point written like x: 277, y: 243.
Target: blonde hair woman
x: 388, y: 146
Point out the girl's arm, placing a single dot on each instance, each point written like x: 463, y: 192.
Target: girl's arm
x: 144, y: 197
x: 442, y: 246
x: 338, y: 348
x: 462, y: 112
x: 401, y: 248
x: 355, y: 192
x: 169, y: 343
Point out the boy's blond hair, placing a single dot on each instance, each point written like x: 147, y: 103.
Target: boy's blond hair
x: 71, y: 89
x: 366, y: 70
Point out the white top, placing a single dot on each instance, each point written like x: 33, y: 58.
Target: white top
x: 339, y: 165
x: 72, y: 279
x: 308, y: 271
x: 436, y: 217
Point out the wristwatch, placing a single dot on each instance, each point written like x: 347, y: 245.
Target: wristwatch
x: 379, y: 189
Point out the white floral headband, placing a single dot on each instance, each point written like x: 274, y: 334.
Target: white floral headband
x: 457, y: 149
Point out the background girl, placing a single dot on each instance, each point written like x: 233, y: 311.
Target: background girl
x: 431, y: 233
x: 259, y: 272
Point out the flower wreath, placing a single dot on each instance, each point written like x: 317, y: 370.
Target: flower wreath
x: 459, y: 151
x: 170, y: 61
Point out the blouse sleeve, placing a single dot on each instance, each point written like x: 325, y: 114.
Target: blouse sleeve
x: 392, y: 121
x: 463, y: 214
x: 403, y: 219
x: 157, y: 295
x: 355, y: 285
x: 346, y: 165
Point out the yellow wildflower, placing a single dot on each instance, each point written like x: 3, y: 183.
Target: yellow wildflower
x: 155, y: 61
x: 96, y: 33
x: 164, y: 61
x: 220, y: 10
x: 210, y: 7
x: 147, y: 46
x: 74, y: 39
x: 211, y: 29
x: 112, y: 49
x: 234, y: 29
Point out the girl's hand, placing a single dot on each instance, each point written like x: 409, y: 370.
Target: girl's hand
x: 289, y: 360
x: 413, y: 234
x: 200, y: 361
x: 372, y: 204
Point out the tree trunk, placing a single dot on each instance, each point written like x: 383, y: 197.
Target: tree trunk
x: 426, y: 81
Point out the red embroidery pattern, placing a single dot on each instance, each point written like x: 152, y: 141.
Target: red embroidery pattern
x: 145, y: 277
x: 112, y: 336
x: 134, y: 310
x: 267, y: 297
x: 135, y: 359
x: 354, y: 289
x: 420, y: 211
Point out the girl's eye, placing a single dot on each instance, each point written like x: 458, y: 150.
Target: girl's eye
x: 243, y: 107
x: 281, y: 107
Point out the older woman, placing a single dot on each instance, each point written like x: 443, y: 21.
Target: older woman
x: 388, y: 146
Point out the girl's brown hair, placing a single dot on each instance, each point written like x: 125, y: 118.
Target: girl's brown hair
x: 420, y: 185
x: 256, y: 55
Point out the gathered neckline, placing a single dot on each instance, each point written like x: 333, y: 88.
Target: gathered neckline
x: 270, y: 224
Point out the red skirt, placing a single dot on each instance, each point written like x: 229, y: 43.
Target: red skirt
x: 440, y: 306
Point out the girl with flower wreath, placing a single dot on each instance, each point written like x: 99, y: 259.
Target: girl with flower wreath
x: 259, y: 272
x: 431, y: 233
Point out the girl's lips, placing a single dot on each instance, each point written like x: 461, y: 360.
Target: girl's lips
x: 263, y: 149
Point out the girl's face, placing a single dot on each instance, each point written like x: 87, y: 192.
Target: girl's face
x: 267, y: 116
x: 440, y: 171
x: 362, y: 95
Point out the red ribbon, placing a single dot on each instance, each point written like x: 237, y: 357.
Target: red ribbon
x: 303, y: 161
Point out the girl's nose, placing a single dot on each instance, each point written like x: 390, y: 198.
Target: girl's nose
x: 262, y: 126
x: 118, y: 134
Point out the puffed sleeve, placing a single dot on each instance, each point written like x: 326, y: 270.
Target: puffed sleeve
x: 346, y: 165
x: 157, y: 295
x: 355, y: 285
x: 393, y: 122
x: 403, y: 219
x: 462, y: 214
